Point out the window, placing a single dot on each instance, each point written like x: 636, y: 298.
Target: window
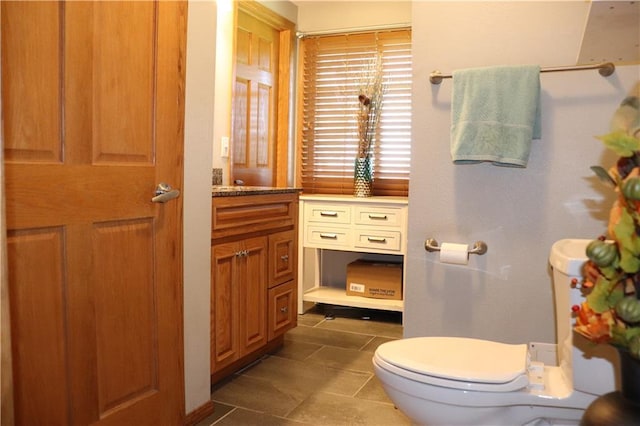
x: 332, y: 70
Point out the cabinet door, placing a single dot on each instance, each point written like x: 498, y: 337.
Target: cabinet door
x: 282, y: 309
x: 252, y: 286
x: 282, y: 257
x: 224, y: 304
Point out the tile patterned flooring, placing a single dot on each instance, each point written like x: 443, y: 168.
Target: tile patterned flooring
x: 322, y: 376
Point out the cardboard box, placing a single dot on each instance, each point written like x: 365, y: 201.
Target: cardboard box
x: 378, y: 280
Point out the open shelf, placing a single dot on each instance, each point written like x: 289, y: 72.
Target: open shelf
x: 335, y: 296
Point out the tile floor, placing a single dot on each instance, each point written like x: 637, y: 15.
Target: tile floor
x: 322, y: 376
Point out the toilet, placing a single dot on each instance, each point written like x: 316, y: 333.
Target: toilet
x: 464, y: 381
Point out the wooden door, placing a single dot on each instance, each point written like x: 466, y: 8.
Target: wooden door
x: 253, y: 139
x: 253, y: 294
x: 93, y: 107
x: 224, y: 305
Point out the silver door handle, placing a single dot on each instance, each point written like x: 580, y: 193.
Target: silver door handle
x: 164, y: 193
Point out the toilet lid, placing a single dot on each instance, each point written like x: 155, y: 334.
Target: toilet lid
x: 471, y: 361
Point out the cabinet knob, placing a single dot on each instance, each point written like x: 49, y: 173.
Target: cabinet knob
x: 284, y: 257
x: 284, y: 309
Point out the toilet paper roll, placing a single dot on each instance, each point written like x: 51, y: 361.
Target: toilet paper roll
x: 457, y: 254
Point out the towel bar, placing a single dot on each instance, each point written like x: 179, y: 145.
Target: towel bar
x: 605, y: 69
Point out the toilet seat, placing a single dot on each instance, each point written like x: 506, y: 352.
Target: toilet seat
x: 455, y: 362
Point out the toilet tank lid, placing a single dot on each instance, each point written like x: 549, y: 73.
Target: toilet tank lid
x: 457, y: 358
x: 569, y: 255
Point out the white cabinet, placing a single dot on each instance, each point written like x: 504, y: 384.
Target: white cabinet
x: 344, y: 228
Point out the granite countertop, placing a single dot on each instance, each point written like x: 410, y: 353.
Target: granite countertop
x: 236, y: 190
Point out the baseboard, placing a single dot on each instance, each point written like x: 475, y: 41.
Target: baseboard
x: 200, y: 413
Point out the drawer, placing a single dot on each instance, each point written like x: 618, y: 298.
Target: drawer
x: 326, y: 237
x: 241, y: 215
x: 282, y: 257
x: 327, y: 213
x: 379, y: 240
x: 378, y: 216
x: 282, y: 309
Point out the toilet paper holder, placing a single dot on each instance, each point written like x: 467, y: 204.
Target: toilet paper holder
x: 480, y: 247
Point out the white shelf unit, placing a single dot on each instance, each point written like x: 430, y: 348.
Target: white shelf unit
x: 337, y: 229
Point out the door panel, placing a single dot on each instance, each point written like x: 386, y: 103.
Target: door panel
x: 93, y: 119
x: 37, y: 259
x: 125, y: 328
x: 31, y: 60
x: 123, y: 90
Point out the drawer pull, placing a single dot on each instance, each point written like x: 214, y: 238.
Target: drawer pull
x: 329, y: 236
x: 284, y: 258
x: 283, y: 309
x: 376, y: 216
x: 377, y: 239
x: 330, y: 214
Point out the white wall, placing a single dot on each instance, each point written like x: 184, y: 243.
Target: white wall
x: 285, y: 9
x: 223, y: 76
x: 201, y: 39
x: 343, y: 15
x: 506, y: 294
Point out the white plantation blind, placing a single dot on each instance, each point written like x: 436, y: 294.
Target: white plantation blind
x: 333, y: 69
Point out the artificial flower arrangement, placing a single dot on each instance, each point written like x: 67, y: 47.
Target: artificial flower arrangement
x: 611, y: 310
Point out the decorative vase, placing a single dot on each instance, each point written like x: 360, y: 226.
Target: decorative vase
x: 621, y: 407
x: 362, y: 177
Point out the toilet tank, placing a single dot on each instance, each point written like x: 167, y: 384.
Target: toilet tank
x: 591, y: 368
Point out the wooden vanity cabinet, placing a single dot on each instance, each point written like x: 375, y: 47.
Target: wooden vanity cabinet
x: 253, y: 277
x: 238, y: 308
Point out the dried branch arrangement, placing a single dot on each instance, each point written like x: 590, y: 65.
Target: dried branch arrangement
x: 370, y: 96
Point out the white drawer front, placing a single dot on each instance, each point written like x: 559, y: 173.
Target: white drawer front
x: 379, y: 240
x: 327, y: 213
x: 379, y: 216
x: 324, y: 237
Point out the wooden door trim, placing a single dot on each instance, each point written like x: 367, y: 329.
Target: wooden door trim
x: 6, y: 362
x: 285, y: 60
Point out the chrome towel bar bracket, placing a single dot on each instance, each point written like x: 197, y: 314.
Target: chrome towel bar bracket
x: 480, y: 247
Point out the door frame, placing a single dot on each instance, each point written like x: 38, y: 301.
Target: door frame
x: 6, y: 362
x: 285, y: 63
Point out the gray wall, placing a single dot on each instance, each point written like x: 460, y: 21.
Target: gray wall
x: 505, y: 295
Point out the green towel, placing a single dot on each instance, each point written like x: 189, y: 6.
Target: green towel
x: 495, y: 114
